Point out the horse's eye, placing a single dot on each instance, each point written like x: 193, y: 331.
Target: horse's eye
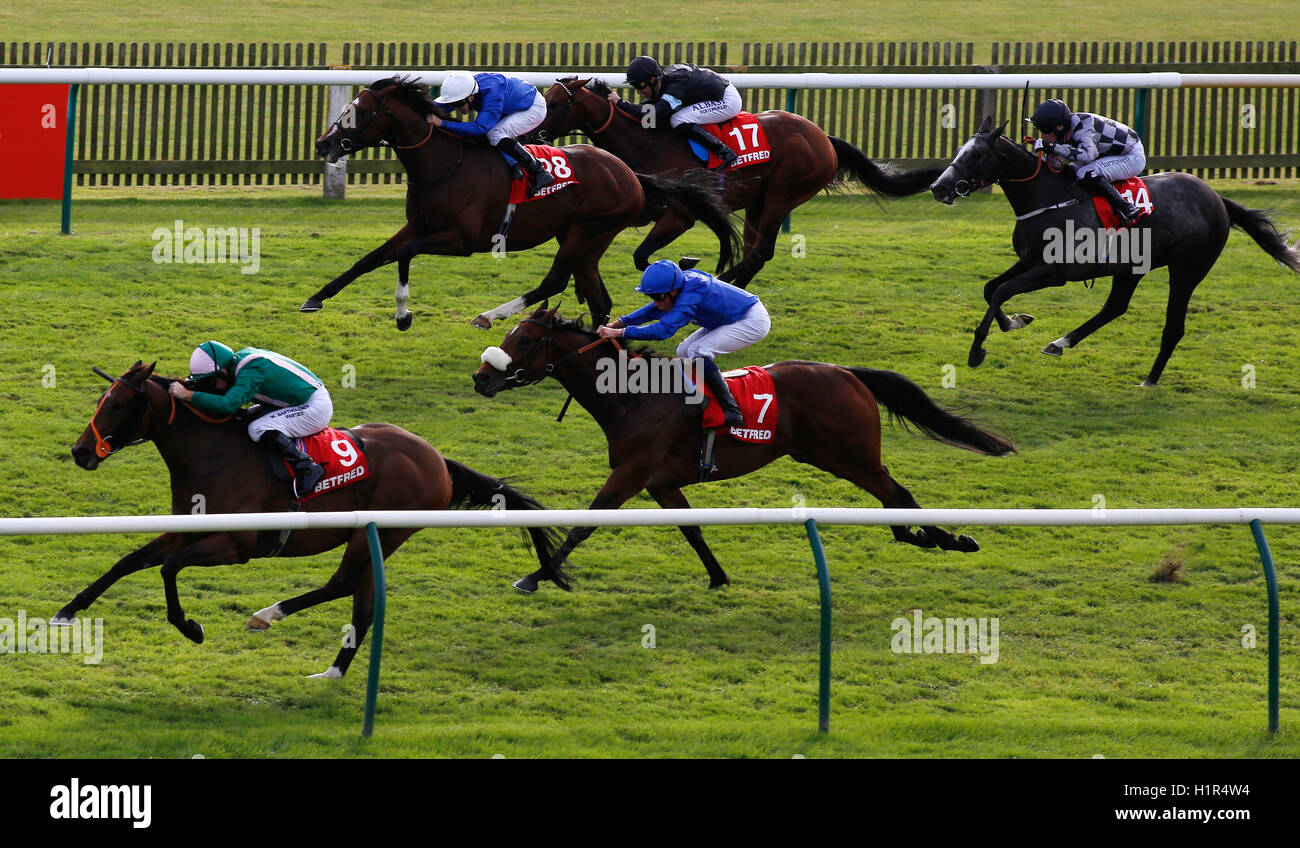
x: 524, y: 343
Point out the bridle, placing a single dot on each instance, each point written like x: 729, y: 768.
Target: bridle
x: 369, y: 117
x: 103, y: 444
x: 527, y: 376
x: 968, y: 182
x: 568, y: 105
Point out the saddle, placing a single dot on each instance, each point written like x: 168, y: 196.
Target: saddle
x: 282, y: 472
x: 743, y: 134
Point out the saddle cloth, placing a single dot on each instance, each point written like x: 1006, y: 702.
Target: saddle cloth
x: 554, y: 160
x: 340, y: 454
x: 755, y: 394
x: 1135, y: 192
x: 743, y: 134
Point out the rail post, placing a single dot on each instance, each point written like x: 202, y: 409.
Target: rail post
x: 1270, y: 579
x: 68, y: 160
x: 376, y: 629
x: 824, y: 584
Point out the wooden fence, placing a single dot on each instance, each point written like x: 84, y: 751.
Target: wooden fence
x: 260, y: 134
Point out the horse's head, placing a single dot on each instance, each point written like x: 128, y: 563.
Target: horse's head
x: 119, y: 420
x: 392, y: 109
x: 975, y: 165
x: 529, y: 353
x: 566, y: 109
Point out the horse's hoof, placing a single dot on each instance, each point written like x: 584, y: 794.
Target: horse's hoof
x: 1053, y: 349
x: 976, y: 357
x: 967, y: 544
x: 1145, y: 384
x: 404, y: 323
x: 63, y: 619
x: 526, y: 585
x: 331, y: 673
x: 193, y: 631
x: 720, y: 584
x: 312, y: 305
x: 1019, y: 321
x: 482, y: 322
x: 257, y: 624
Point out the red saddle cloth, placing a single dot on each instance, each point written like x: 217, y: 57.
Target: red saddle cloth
x: 343, y: 461
x: 1135, y: 192
x: 756, y: 396
x: 554, y: 160
x: 743, y: 134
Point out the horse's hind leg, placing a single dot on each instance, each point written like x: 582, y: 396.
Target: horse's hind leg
x: 1121, y: 292
x: 892, y: 494
x: 146, y: 557
x: 665, y: 231
x: 1183, y: 280
x: 363, y: 612
x: 589, y: 284
x: 671, y: 498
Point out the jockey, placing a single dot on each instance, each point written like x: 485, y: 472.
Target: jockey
x: 1099, y: 149
x: 687, y: 96
x: 730, y: 319
x: 507, y: 107
x: 227, y: 380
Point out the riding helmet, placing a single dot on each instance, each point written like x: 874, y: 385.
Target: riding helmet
x: 458, y: 86
x: 642, y: 69
x: 662, y: 277
x: 209, y: 358
x: 1051, y: 115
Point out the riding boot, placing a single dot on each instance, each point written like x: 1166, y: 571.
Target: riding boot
x: 715, y: 145
x: 538, y: 177
x: 1101, y: 187
x: 731, y: 416
x: 306, y: 473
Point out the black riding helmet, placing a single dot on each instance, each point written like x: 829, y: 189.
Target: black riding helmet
x: 643, y: 69
x: 1051, y: 116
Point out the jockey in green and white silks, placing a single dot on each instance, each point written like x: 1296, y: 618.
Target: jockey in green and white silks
x: 304, y: 406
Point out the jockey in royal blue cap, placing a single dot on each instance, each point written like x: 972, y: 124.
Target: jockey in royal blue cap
x: 1100, y: 150
x: 730, y: 319
x: 683, y: 96
x: 507, y: 108
x: 226, y: 380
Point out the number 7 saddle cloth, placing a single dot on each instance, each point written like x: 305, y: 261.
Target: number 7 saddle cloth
x: 755, y: 395
x: 743, y: 134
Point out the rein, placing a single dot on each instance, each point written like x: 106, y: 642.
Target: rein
x: 103, y: 447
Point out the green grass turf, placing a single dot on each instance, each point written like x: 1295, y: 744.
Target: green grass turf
x: 658, y: 22
x: 1095, y: 658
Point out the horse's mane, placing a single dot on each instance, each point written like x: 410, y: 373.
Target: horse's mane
x: 579, y: 325
x: 413, y: 94
x: 599, y: 86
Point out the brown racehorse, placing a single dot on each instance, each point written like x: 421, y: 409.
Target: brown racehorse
x: 220, y: 462
x: 457, y: 202
x: 828, y: 418
x: 804, y: 161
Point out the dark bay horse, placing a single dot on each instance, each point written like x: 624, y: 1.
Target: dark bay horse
x: 1186, y: 231
x: 457, y: 195
x: 804, y: 161
x: 829, y: 417
x: 219, y: 461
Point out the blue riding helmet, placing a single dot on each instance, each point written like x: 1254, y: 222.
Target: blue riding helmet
x: 210, y: 358
x: 662, y: 277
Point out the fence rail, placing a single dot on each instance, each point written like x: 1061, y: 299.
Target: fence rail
x: 186, y: 134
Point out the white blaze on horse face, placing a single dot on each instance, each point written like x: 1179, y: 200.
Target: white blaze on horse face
x: 496, y: 358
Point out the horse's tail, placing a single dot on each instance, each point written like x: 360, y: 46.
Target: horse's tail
x: 908, y: 401
x: 473, y: 490
x: 886, y: 180
x: 1259, y: 225
x: 697, y: 196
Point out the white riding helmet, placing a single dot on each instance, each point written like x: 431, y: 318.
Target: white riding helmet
x: 458, y: 86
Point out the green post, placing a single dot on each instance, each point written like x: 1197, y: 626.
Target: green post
x: 377, y: 628
x: 791, y: 96
x: 1270, y: 578
x: 824, y: 582
x: 1142, y: 115
x: 71, y: 122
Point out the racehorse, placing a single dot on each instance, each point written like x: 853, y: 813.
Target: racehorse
x: 1186, y: 230
x: 457, y: 202
x: 829, y: 417
x: 804, y: 161
x: 215, y: 458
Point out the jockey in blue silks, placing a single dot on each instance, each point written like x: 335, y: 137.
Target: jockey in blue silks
x: 507, y: 108
x: 730, y: 319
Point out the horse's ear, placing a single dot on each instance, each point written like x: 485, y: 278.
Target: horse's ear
x: 1000, y: 130
x: 148, y: 370
x: 987, y: 125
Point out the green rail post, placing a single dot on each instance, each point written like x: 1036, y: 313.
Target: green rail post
x: 377, y: 628
x: 791, y: 97
x: 824, y: 582
x: 1270, y: 578
x: 71, y: 121
x: 1142, y: 115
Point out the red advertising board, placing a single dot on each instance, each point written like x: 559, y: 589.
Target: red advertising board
x: 33, y: 134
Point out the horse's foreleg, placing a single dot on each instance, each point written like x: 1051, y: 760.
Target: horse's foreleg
x: 217, y: 549
x: 146, y: 557
x: 761, y: 246
x: 671, y: 498
x: 1121, y: 292
x: 555, y: 281
x: 382, y: 255
x: 588, y: 282
x: 621, y: 485
x: 665, y: 231
x: 1005, y: 322
x: 1037, y: 277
